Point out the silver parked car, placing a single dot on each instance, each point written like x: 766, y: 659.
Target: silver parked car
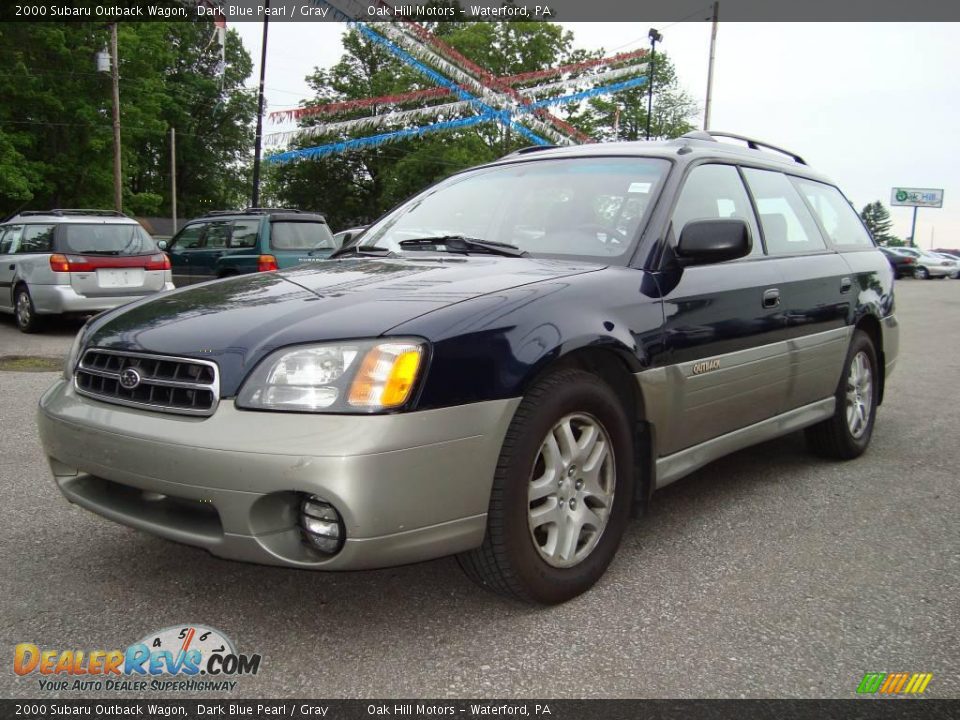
x: 928, y: 264
x: 55, y: 262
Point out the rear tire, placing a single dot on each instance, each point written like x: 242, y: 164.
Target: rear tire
x: 846, y: 434
x: 562, y: 492
x: 24, y: 313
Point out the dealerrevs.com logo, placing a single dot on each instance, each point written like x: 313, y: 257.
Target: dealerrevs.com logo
x: 181, y: 658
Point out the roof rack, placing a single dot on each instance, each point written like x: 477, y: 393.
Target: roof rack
x: 530, y: 149
x: 60, y: 212
x: 753, y: 144
x: 253, y: 211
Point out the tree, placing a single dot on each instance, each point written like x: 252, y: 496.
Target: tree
x: 359, y: 186
x: 877, y: 219
x: 623, y: 116
x: 56, y: 141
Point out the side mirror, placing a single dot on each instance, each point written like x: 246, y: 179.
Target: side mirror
x: 713, y: 241
x: 162, y: 244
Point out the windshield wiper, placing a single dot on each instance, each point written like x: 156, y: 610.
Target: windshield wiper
x: 462, y: 244
x: 361, y: 250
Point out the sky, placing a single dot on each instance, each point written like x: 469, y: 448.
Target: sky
x: 871, y: 105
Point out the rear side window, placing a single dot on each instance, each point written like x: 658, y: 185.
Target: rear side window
x: 36, y: 239
x: 712, y: 192
x: 300, y: 236
x: 787, y: 225
x: 245, y: 233
x: 106, y: 239
x: 10, y: 239
x: 839, y: 220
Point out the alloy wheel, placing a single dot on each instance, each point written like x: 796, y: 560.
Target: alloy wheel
x: 571, y: 489
x: 859, y: 394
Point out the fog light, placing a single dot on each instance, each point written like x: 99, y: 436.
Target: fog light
x: 322, y: 526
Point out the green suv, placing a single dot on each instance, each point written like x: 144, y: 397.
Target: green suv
x: 235, y: 242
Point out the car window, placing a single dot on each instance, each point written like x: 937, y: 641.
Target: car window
x: 36, y: 239
x: 787, y: 225
x: 839, y: 220
x: 106, y: 239
x: 586, y: 207
x: 10, y: 239
x: 301, y: 236
x: 244, y: 233
x: 217, y: 236
x: 188, y: 238
x: 712, y: 192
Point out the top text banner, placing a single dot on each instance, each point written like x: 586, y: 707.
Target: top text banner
x: 640, y: 11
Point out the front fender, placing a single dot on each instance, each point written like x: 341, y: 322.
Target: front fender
x: 492, y: 346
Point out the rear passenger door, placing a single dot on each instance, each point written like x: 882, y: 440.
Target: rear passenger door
x: 727, y: 359
x: 9, y: 242
x: 203, y: 263
x: 815, y: 292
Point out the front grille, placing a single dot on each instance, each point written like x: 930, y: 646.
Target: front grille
x: 158, y: 382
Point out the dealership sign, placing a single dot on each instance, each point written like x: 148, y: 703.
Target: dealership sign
x: 917, y: 197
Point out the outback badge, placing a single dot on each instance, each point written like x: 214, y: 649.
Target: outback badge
x: 705, y: 366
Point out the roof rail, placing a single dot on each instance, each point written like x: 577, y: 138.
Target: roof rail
x: 530, y: 149
x: 60, y: 212
x: 252, y: 211
x: 752, y: 143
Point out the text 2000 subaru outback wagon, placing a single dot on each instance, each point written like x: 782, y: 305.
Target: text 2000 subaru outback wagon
x: 502, y: 368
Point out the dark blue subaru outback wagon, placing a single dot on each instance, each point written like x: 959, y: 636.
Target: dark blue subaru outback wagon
x: 504, y: 368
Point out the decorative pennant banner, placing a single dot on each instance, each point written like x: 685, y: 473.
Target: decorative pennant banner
x: 377, y: 140
x: 580, y: 80
x: 440, y: 92
x: 370, y: 122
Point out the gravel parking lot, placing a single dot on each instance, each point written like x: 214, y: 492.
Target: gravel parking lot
x: 767, y: 574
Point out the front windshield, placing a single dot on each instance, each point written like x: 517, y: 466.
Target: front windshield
x: 586, y: 207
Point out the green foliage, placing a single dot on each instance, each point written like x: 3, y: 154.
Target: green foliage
x: 56, y: 135
x: 877, y: 219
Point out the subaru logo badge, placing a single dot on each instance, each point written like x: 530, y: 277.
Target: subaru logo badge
x: 129, y: 378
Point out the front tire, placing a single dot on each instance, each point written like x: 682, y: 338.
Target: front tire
x: 562, y: 492
x: 921, y: 273
x: 24, y: 313
x: 847, y: 433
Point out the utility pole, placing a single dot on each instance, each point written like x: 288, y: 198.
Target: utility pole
x: 173, y: 177
x: 255, y: 197
x: 655, y: 37
x: 117, y: 168
x: 713, y: 50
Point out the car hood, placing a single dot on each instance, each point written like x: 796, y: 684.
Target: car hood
x: 237, y: 321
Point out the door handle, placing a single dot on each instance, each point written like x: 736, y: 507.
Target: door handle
x: 845, y: 285
x: 12, y: 267
x: 771, y: 298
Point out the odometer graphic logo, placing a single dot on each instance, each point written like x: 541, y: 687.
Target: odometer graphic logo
x: 173, y: 658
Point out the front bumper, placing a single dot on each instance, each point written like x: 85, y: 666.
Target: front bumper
x: 409, y: 487
x: 58, y: 299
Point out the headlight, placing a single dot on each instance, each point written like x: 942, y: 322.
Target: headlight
x: 351, y: 377
x: 74, y: 354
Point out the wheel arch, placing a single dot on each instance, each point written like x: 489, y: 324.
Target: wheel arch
x: 870, y: 324
x: 615, y: 365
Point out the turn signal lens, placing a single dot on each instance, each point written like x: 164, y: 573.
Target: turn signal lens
x: 59, y: 263
x: 267, y: 263
x: 386, y: 376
